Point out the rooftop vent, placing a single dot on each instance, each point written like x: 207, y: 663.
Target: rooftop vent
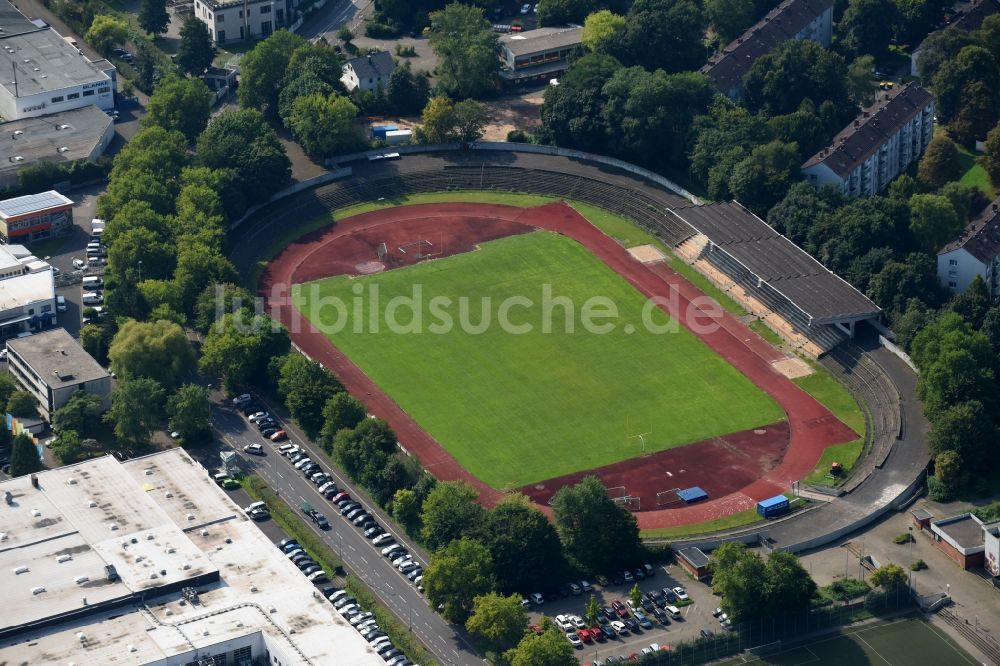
x: 36, y: 513
x: 148, y: 472
x: 92, y: 504
x: 168, y: 494
x: 149, y: 537
x: 64, y: 558
x: 190, y: 516
x: 37, y: 590
x: 18, y: 133
x: 79, y: 580
x: 71, y: 481
x: 63, y: 149
x: 21, y: 569
x: 113, y: 527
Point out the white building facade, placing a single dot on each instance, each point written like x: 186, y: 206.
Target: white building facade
x: 879, y: 145
x: 368, y: 72
x: 234, y: 20
x: 27, y: 292
x: 975, y: 253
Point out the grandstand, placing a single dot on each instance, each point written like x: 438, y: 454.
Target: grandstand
x: 772, y: 277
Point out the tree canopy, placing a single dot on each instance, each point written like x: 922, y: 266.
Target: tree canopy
x: 24, y: 457
x: 450, y: 512
x: 466, y: 47
x: 498, y: 620
x: 180, y: 104
x: 595, y: 532
x: 754, y: 589
x: 242, y: 140
x: 136, y: 409
x: 158, y: 350
x: 262, y: 71
x: 196, y: 50
x: 188, y: 409
x: 457, y: 574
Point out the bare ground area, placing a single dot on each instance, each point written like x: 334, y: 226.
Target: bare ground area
x: 523, y: 112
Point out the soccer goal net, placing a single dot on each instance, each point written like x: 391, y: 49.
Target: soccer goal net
x: 755, y: 653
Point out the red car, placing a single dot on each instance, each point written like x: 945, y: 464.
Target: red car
x: 339, y: 496
x: 585, y: 636
x: 620, y: 608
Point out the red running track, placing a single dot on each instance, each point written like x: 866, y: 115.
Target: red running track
x: 454, y: 228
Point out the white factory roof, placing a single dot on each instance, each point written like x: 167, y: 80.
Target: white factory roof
x: 163, y: 524
x: 30, y: 203
x: 28, y: 288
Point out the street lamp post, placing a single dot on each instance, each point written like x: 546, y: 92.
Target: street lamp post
x: 910, y: 584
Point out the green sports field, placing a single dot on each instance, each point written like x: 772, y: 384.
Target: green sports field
x: 519, y: 408
x: 906, y: 642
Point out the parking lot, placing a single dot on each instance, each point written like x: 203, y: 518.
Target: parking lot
x: 693, y: 617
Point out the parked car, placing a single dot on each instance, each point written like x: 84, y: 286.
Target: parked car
x: 278, y: 436
x: 574, y: 639
x: 575, y: 589
x: 254, y: 449
x: 242, y: 399
x: 681, y: 593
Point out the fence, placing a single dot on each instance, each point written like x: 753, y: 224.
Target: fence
x: 786, y: 628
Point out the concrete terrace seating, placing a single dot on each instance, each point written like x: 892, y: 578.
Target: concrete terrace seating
x: 879, y: 400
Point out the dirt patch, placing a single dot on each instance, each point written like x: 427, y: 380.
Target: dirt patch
x: 516, y: 112
x: 792, y: 367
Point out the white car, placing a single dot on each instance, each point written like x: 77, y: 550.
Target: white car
x: 577, y: 621
x: 240, y: 399
x: 619, y: 627
x: 80, y: 264
x: 536, y: 598
x: 681, y: 593
x: 564, y: 623
x: 573, y: 639
x: 255, y: 449
x: 361, y: 617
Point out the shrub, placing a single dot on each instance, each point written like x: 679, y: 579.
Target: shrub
x: 905, y: 537
x: 919, y: 565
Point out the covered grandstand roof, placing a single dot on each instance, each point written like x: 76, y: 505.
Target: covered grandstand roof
x: 811, y: 287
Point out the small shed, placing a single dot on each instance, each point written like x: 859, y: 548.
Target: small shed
x: 694, y: 561
x: 692, y: 494
x: 774, y: 506
x: 394, y: 137
x: 379, y: 131
x: 922, y: 518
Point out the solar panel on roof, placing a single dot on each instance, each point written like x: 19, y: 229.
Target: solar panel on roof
x: 32, y: 202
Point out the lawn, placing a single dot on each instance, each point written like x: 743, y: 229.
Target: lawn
x: 519, y: 408
x: 834, y: 396
x: 846, y: 454
x: 973, y: 172
x: 897, y: 643
x: 739, y: 519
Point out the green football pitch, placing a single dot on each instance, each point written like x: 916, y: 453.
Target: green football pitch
x: 906, y: 642
x: 516, y: 408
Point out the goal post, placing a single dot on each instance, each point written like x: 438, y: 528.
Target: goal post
x: 665, y: 497
x: 382, y: 251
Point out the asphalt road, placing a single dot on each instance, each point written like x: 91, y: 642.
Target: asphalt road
x: 328, y: 20
x: 363, y: 560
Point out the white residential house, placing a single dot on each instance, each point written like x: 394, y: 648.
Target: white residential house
x: 368, y: 72
x: 234, y: 20
x: 976, y: 252
x: 882, y: 141
x: 791, y: 20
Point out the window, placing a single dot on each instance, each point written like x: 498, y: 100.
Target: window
x: 73, y: 96
x: 265, y: 28
x: 104, y: 90
x: 222, y: 36
x: 952, y: 273
x: 953, y: 285
x: 953, y: 262
x: 220, y: 18
x: 31, y: 311
x: 46, y: 308
x: 88, y: 93
x: 265, y: 9
x: 56, y: 100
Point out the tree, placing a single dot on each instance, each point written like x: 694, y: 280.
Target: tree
x: 951, y: 82
x: 263, y: 70
x: 449, y: 512
x: 304, y: 85
x: 949, y: 472
x: 7, y: 387
x: 599, y: 534
x: 22, y: 403
x: 939, y: 47
x: 900, y: 281
x: 325, y: 125
x: 795, y: 70
x: 635, y: 595
x: 218, y: 299
x: 407, y: 92
x: 550, y: 648
x: 470, y: 120
x: 406, y: 509
x: 664, y: 34
x: 864, y: 27
x: 966, y: 429
x: 974, y: 303
x: 991, y: 156
x: 307, y: 387
x: 341, y: 411
x: 730, y: 17
x: 136, y: 409
x: 789, y: 588
x: 524, y: 545
x: 105, y: 32
x: 24, y: 458
x: 860, y: 83
x: 933, y: 221
x: 753, y: 589
x: 180, y: 104
x: 153, y: 16
x: 593, y: 613
x: 188, y: 409
x: 940, y: 163
x: 977, y: 115
x: 68, y: 447
x: 466, y: 47
x: 242, y: 140
x: 196, y: 51
x: 499, y: 620
x: 761, y: 179
x: 444, y: 121
x: 366, y: 450
x: 159, y: 350
x: 197, y: 267
x: 94, y: 341
x: 602, y: 31
x: 239, y: 347
x: 889, y: 577
x: 457, y: 574
x: 81, y: 413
